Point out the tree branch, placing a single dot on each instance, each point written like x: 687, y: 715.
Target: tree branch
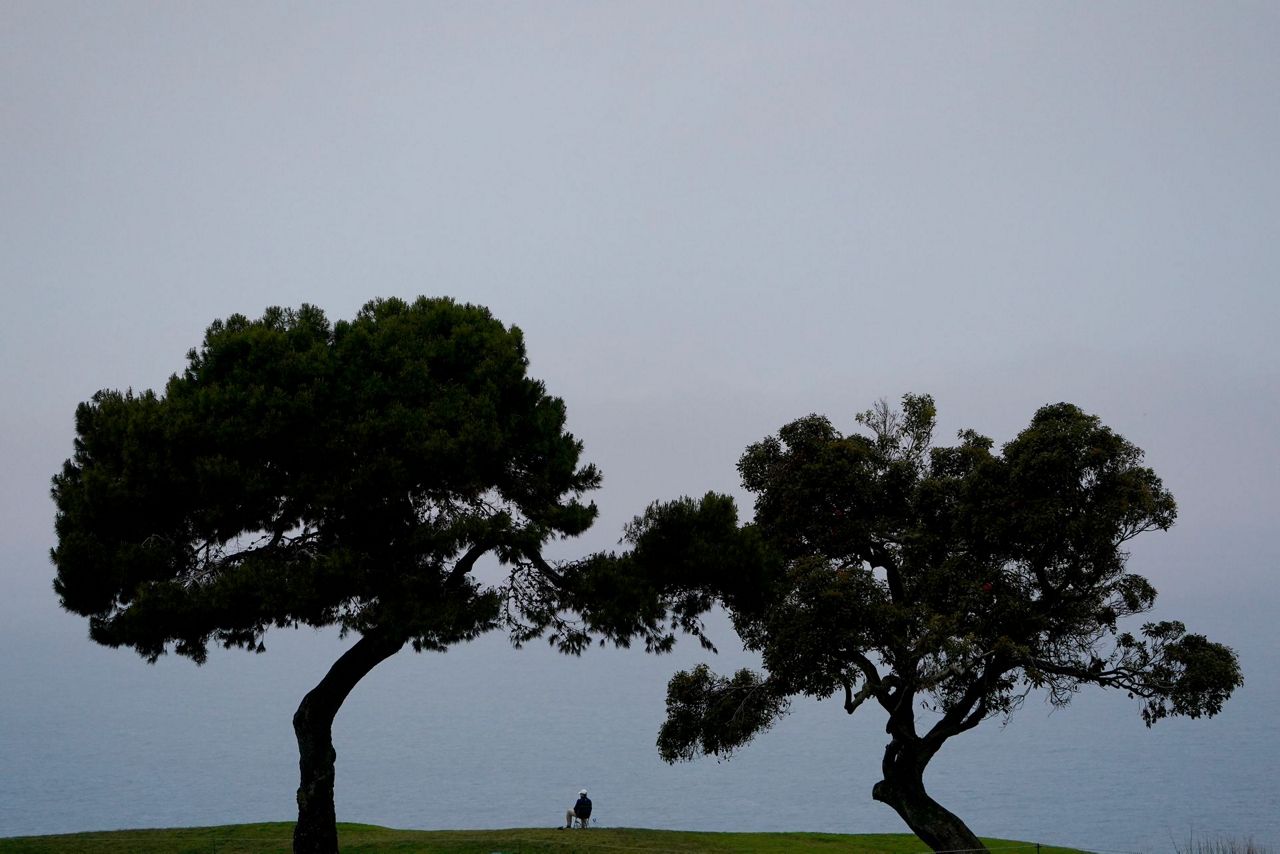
x: 1117, y: 677
x: 971, y: 709
x: 545, y: 569
x: 869, y: 672
x: 881, y: 557
x: 852, y: 701
x: 464, y: 565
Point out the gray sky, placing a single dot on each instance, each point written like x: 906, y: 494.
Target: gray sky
x: 708, y: 218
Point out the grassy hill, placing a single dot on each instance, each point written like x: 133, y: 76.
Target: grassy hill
x: 367, y: 839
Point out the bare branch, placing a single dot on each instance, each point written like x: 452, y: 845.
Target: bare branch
x: 465, y: 565
x: 852, y: 701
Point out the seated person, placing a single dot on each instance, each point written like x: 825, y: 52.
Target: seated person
x: 581, y: 811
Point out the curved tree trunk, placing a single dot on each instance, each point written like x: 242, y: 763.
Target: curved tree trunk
x: 317, y: 829
x: 903, y: 789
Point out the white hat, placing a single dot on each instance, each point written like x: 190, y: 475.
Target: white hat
x: 582, y: 791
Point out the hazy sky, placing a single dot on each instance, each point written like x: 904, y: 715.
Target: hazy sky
x: 708, y: 219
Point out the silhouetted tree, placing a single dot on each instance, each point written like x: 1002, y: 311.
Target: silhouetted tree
x: 942, y: 584
x: 298, y: 473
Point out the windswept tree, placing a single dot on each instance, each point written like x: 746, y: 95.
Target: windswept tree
x: 939, y: 584
x: 303, y: 473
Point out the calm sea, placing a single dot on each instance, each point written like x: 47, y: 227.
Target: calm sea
x: 487, y: 736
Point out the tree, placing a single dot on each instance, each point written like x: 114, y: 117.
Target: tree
x: 942, y: 584
x: 302, y: 473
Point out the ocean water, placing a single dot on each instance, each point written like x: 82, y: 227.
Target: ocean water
x: 488, y: 736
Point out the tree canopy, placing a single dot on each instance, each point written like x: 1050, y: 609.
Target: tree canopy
x: 299, y: 472
x: 941, y: 584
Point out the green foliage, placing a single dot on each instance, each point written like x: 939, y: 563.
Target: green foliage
x: 368, y: 839
x: 715, y: 714
x: 954, y: 577
x: 298, y: 472
x: 685, y: 555
x: 949, y: 580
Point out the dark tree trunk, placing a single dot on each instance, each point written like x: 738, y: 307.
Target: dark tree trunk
x: 317, y: 829
x: 903, y: 789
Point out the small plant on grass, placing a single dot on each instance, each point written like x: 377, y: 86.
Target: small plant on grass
x: 1219, y: 845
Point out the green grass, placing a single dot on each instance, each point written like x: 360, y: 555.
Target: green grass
x: 367, y: 839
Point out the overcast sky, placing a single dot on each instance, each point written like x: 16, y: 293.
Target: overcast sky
x: 708, y: 218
